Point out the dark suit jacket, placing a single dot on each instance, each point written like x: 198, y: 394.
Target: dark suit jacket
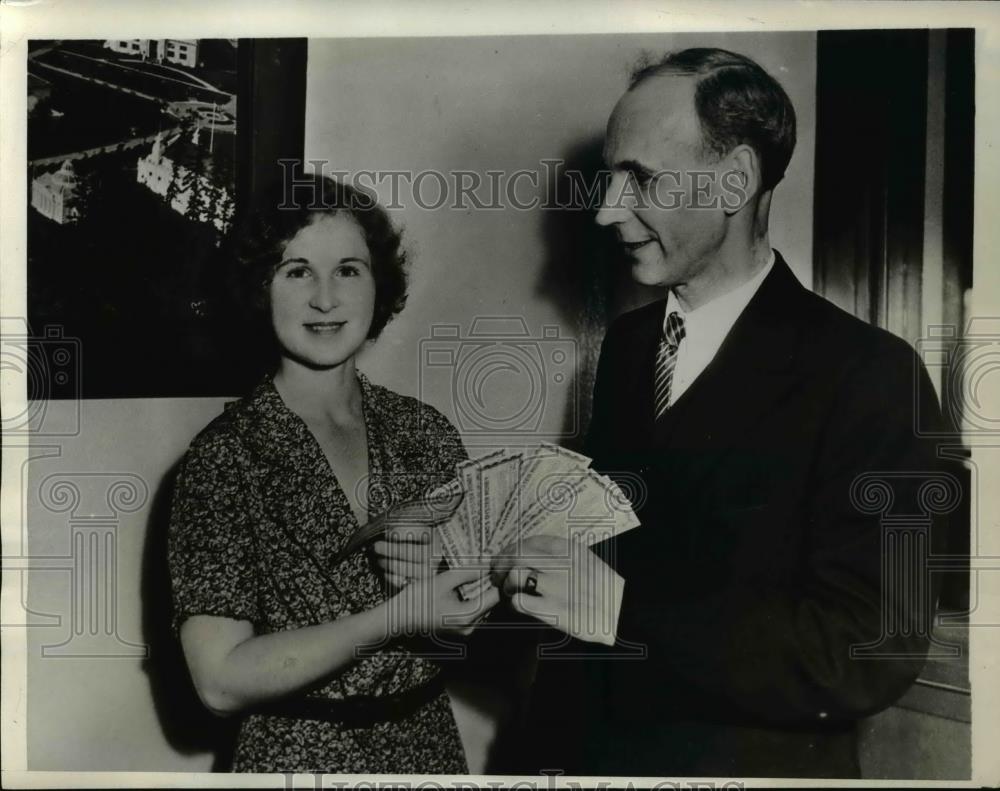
x: 753, y: 572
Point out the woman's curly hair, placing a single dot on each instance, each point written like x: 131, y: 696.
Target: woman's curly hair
x: 258, y: 242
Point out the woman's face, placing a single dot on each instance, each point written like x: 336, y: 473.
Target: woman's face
x: 323, y: 293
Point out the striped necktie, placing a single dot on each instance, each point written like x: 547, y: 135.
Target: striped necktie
x: 666, y: 359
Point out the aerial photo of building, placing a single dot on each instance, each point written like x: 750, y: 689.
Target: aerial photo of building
x: 182, y: 51
x: 192, y: 194
x: 56, y: 195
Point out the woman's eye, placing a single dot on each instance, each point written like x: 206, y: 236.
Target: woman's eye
x: 297, y: 272
x: 348, y: 270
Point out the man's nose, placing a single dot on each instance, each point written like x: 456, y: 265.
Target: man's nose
x: 325, y: 295
x: 613, y: 209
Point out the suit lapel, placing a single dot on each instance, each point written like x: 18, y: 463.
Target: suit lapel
x: 746, y: 380
x: 637, y: 371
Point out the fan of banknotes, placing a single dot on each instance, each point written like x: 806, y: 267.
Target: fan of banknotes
x: 510, y: 495
x: 543, y: 490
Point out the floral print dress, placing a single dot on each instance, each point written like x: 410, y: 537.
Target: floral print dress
x: 258, y: 517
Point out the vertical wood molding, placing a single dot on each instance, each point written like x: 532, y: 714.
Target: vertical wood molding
x: 959, y: 154
x: 870, y: 159
x: 272, y: 112
x: 932, y: 291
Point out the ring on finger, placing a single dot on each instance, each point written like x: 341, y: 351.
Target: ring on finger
x: 531, y: 584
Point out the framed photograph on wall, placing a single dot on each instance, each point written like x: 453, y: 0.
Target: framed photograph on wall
x: 138, y: 150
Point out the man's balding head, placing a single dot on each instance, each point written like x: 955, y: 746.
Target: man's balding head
x: 737, y: 102
x: 695, y: 148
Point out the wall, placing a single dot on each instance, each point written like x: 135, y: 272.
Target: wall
x: 96, y: 517
x: 474, y: 104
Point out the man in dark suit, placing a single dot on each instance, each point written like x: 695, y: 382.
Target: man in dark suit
x: 752, y: 622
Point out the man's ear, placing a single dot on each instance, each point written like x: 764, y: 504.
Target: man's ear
x: 740, y: 178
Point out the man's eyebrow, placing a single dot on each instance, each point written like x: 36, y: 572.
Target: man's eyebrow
x: 632, y: 166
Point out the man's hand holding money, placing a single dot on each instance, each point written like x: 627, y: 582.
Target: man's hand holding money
x: 563, y: 583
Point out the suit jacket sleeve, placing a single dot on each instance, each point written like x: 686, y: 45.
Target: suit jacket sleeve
x: 782, y: 653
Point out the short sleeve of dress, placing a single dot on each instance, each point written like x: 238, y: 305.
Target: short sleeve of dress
x: 211, y: 546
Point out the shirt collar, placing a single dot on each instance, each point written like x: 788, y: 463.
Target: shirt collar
x: 707, y: 326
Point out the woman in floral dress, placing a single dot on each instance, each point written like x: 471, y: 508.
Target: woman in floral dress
x: 319, y: 656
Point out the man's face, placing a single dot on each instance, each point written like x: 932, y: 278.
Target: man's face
x: 671, y: 231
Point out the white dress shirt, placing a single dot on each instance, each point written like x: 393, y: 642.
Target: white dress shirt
x: 706, y: 327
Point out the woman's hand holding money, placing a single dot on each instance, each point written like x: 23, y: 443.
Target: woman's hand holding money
x: 410, y: 549
x: 432, y: 605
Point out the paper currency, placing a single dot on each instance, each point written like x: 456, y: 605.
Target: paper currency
x: 511, y: 495
x: 540, y: 490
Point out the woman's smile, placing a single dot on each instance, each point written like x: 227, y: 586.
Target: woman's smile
x: 324, y: 327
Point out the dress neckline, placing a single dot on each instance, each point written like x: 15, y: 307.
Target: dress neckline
x: 312, y: 449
